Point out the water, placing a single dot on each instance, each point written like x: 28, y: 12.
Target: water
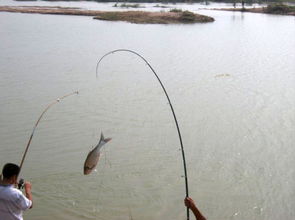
x: 110, y: 6
x: 232, y: 86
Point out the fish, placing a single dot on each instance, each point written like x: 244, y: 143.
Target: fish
x: 93, y: 156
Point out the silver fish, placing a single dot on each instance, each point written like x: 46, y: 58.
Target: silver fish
x: 93, y: 156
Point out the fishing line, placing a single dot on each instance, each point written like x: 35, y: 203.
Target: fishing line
x: 171, y: 107
x: 40, y: 117
x: 100, y: 185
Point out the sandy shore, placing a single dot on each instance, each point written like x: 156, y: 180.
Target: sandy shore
x: 139, y: 17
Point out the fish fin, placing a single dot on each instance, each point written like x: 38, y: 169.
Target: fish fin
x: 101, y: 137
x: 105, y: 140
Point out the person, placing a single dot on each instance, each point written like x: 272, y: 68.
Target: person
x: 12, y: 200
x: 190, y: 203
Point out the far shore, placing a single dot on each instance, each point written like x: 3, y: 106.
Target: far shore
x: 139, y: 17
x: 265, y: 10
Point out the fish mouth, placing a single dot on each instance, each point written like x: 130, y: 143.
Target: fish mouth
x: 87, y: 170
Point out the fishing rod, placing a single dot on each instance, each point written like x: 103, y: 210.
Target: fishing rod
x: 36, y: 124
x: 171, y: 107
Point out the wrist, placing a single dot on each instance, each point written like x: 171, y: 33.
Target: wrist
x: 194, y: 209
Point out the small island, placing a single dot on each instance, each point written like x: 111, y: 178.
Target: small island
x: 138, y: 17
x: 143, y: 17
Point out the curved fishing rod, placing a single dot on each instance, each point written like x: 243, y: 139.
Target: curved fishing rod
x: 40, y: 117
x: 178, y: 130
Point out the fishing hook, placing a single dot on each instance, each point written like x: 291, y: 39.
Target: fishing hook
x: 171, y: 107
x: 36, y: 124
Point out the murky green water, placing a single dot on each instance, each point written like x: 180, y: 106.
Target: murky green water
x: 231, y: 82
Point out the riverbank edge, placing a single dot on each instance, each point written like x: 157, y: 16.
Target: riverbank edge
x: 138, y: 17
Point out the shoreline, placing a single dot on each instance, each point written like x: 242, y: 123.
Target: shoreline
x: 137, y: 17
x: 262, y: 10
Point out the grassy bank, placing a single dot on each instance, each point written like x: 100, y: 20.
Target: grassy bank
x: 139, y: 17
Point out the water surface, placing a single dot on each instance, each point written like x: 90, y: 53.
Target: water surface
x: 232, y: 86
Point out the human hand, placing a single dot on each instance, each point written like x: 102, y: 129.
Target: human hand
x: 189, y: 202
x: 28, y: 186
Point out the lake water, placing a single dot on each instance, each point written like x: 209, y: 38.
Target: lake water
x: 231, y: 82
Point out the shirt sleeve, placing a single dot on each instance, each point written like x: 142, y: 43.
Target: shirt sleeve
x: 23, y: 202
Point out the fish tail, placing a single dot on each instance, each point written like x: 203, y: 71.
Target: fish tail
x: 105, y: 140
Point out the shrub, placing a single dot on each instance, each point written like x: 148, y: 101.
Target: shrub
x: 124, y: 5
x: 176, y: 10
x: 187, y: 16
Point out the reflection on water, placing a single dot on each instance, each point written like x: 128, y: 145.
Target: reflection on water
x: 232, y: 86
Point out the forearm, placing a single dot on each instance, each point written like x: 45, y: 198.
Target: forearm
x: 29, y: 196
x: 198, y: 214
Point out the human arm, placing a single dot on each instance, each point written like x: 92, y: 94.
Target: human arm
x: 28, y: 192
x: 192, y: 206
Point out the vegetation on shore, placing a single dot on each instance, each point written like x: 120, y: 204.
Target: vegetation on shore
x: 280, y: 8
x: 139, y: 17
x: 161, y: 6
x: 274, y: 8
x: 125, y: 5
x: 175, y: 10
